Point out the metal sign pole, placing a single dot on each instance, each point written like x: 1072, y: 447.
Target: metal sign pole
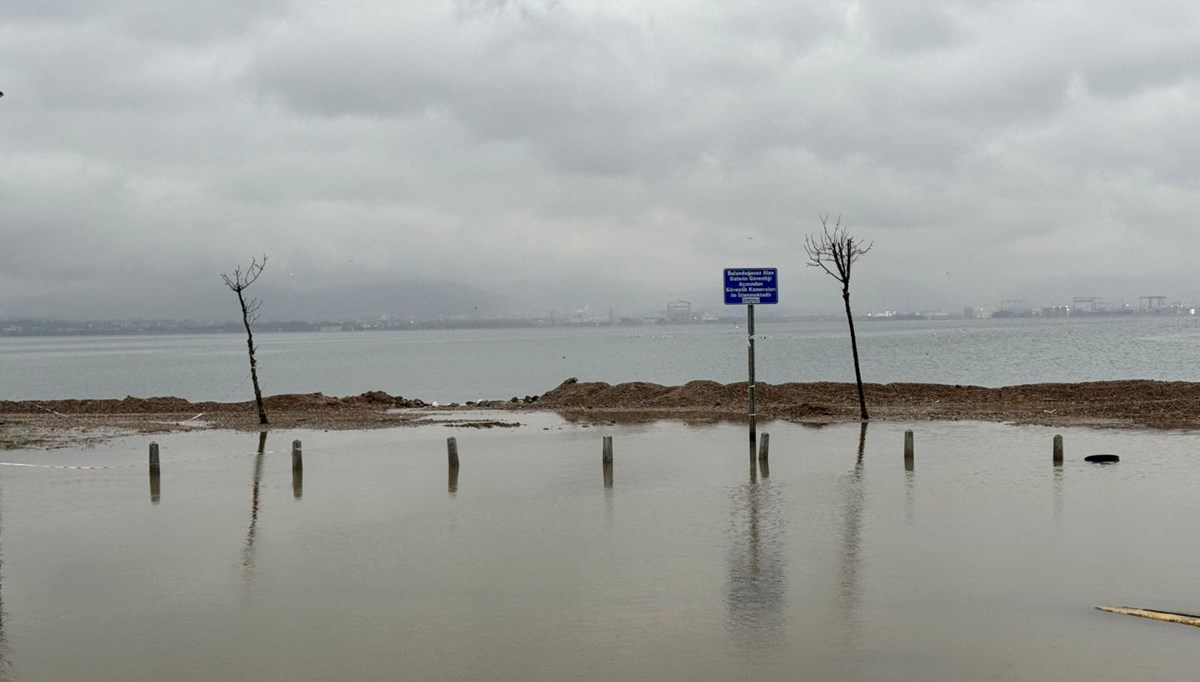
x: 749, y: 286
x: 753, y: 412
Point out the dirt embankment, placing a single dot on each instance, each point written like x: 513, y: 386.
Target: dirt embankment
x: 51, y: 423
x: 1152, y: 404
x: 1132, y: 404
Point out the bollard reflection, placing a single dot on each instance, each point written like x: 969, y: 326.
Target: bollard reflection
x: 452, y: 462
x: 606, y: 462
x: 297, y: 483
x: 1058, y: 492
x: 155, y: 486
x: 756, y: 583
x: 155, y: 482
x: 910, y: 488
x: 764, y: 459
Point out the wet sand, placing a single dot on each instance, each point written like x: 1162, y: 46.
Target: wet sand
x: 1113, y: 404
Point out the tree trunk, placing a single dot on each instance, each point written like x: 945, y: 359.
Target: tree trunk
x: 862, y: 400
x: 258, y: 399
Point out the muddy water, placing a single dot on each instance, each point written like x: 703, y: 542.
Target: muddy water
x: 982, y: 562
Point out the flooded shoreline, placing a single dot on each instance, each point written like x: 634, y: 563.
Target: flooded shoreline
x: 843, y: 563
x: 1107, y: 404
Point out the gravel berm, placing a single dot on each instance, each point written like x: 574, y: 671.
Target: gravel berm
x: 1114, y: 404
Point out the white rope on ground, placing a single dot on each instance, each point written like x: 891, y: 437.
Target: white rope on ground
x: 51, y: 466
x: 223, y: 399
x: 43, y: 407
x: 235, y: 387
x: 180, y: 423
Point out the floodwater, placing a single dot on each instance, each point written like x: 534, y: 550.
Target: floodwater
x: 981, y: 562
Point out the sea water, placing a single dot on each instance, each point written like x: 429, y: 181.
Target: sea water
x: 462, y: 365
x: 982, y: 561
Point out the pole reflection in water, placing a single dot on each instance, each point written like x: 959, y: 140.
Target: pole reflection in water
x: 853, y: 499
x: 297, y: 483
x: 453, y: 482
x: 248, y: 550
x: 757, y: 578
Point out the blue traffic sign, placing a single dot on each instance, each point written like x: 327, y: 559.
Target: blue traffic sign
x: 747, y: 286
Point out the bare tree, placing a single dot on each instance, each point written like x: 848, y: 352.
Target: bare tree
x: 834, y: 250
x: 238, y: 283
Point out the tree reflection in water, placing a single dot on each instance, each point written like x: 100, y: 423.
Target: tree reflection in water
x: 248, y: 550
x: 849, y: 577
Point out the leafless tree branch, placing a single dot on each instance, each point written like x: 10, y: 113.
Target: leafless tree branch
x: 241, y: 280
x: 238, y: 283
x: 835, y: 251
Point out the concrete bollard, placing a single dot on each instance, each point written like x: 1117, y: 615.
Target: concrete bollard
x: 452, y: 452
x: 607, y: 456
x: 297, y: 457
x: 154, y: 456
x: 909, y: 450
x: 1058, y: 450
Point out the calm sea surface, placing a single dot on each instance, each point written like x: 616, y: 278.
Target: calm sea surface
x: 983, y: 562
x: 472, y: 364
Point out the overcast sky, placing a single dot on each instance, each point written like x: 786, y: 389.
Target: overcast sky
x: 596, y: 150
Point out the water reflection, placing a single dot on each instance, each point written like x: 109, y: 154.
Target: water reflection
x: 248, y: 550
x: 155, y: 485
x: 1058, y: 492
x: 757, y: 580
x: 910, y: 485
x: 850, y: 582
x: 297, y: 482
x: 452, y: 484
x: 5, y: 663
x: 764, y: 463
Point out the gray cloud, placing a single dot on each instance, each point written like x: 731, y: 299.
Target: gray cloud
x: 633, y: 147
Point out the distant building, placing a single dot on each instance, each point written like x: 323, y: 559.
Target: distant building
x: 679, y: 312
